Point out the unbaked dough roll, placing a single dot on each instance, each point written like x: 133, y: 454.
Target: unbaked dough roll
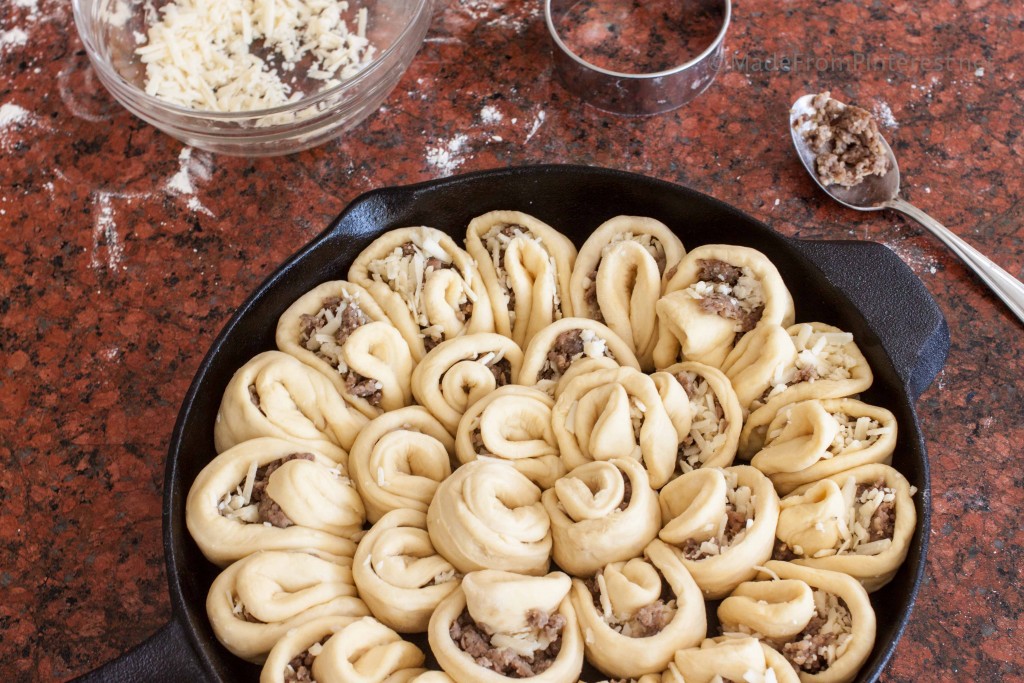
x: 619, y: 275
x: 719, y: 293
x: 399, y: 574
x: 272, y: 494
x: 276, y: 395
x: 563, y: 343
x: 839, y: 636
x: 365, y: 651
x: 292, y: 656
x: 582, y: 367
x: 859, y: 522
x: 758, y: 358
x: 399, y: 459
x: 829, y: 364
x: 676, y: 402
x: 459, y: 372
x: 428, y: 286
x: 716, y: 419
x: 608, y: 414
x: 526, y: 265
x: 722, y: 524
x: 734, y: 659
x: 601, y: 512
x: 512, y: 423
x: 257, y: 600
x: 499, y: 626
x: 487, y: 515
x: 340, y: 330
x: 634, y: 615
x: 775, y: 610
x: 810, y: 440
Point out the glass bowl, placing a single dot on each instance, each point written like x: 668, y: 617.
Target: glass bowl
x: 111, y: 29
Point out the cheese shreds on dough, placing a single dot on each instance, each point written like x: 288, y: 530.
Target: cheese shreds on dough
x: 247, y: 55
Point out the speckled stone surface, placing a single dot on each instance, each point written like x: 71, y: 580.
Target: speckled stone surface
x: 123, y: 253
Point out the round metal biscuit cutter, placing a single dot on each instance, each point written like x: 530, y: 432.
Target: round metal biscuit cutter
x: 634, y: 94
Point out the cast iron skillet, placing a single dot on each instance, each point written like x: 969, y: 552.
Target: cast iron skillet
x: 861, y: 287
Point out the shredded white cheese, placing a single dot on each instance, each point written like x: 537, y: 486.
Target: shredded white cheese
x: 247, y: 55
x: 708, y: 427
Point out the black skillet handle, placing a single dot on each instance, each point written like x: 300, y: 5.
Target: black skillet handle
x: 898, y: 307
x: 165, y: 657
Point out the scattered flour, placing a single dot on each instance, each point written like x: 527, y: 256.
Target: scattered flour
x: 15, y: 37
x: 883, y: 113
x: 104, y: 232
x: 490, y: 114
x: 474, y: 9
x: 190, y: 168
x: 12, y: 115
x: 538, y: 121
x: 447, y: 157
x: 979, y: 72
x: 197, y: 206
x: 913, y: 257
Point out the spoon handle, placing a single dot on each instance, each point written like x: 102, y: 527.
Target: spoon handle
x: 1006, y: 287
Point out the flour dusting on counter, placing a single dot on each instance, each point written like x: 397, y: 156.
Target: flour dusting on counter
x: 537, y: 123
x: 104, y: 233
x: 14, y: 37
x: 446, y: 157
x: 181, y: 183
x: 883, y: 112
x: 12, y: 116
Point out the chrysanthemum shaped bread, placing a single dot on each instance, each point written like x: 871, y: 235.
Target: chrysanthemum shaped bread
x: 292, y: 656
x: 258, y: 599
x: 722, y: 524
x: 399, y: 459
x: 601, y: 512
x: 617, y: 413
x: 619, y: 275
x: 829, y: 364
x: 827, y: 643
x: 399, y: 574
x: 499, y: 626
x: 859, y: 522
x: 718, y: 293
x: 487, y: 515
x: 272, y: 494
x: 561, y: 344
x: 459, y: 372
x: 526, y: 265
x: 734, y: 659
x: 340, y: 330
x: 428, y: 286
x: 758, y: 358
x: 716, y: 420
x: 365, y: 651
x: 813, y: 439
x: 634, y: 615
x: 512, y: 423
x: 276, y: 395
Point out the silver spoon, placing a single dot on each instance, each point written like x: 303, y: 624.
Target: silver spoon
x: 875, y: 193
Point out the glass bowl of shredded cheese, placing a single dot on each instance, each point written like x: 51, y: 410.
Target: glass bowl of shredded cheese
x: 252, y: 77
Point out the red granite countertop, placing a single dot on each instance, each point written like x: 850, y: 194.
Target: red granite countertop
x: 124, y: 253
